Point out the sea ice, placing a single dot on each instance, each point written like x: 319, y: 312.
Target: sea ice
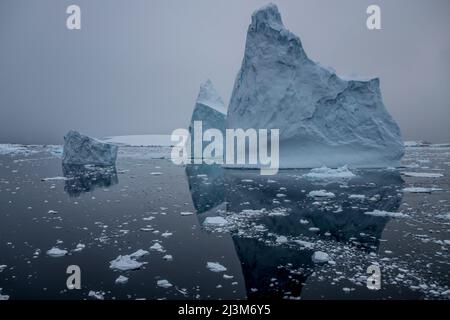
x: 124, y: 263
x: 320, y: 257
x: 215, y: 222
x: 321, y: 194
x: 121, y: 280
x: 381, y: 213
x: 164, y: 283
x: 327, y: 173
x: 423, y: 174
x: 420, y: 190
x: 215, y: 267
x: 56, y: 252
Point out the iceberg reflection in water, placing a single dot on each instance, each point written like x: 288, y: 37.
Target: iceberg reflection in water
x: 277, y: 225
x: 81, y: 179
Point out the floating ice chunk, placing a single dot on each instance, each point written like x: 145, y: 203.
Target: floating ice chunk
x: 166, y: 234
x: 423, y: 174
x: 56, y: 252
x: 320, y: 257
x: 381, y: 213
x: 156, y: 173
x: 444, y: 216
x: 139, y: 254
x: 281, y: 239
x: 124, y: 263
x: 99, y: 295
x: 168, y: 257
x: 420, y: 190
x: 327, y: 173
x: 215, y: 222
x: 56, y: 179
x: 121, y: 280
x: 3, y: 267
x: 157, y: 247
x: 215, y: 267
x: 79, y: 247
x: 226, y: 276
x: 357, y: 196
x: 164, y: 283
x: 186, y: 213
x: 306, y: 244
x: 2, y: 296
x: 321, y: 194
x: 83, y: 150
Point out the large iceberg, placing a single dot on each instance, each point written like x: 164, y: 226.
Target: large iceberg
x: 83, y: 150
x: 324, y: 120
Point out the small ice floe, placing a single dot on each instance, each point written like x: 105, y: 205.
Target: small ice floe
x: 226, y: 276
x: 321, y: 194
x: 357, y: 196
x: 215, y: 222
x: 280, y: 195
x: 52, y: 212
x: 15, y: 149
x: 157, y: 247
x: 3, y: 267
x: 164, y: 284
x: 327, y: 173
x: 55, y: 179
x: 246, y: 180
x: 381, y: 213
x: 126, y: 262
x: 320, y: 257
x: 56, y: 252
x: 281, y: 240
x: 99, y: 295
x: 444, y: 216
x: 305, y: 244
x: 139, y: 254
x: 79, y: 247
x: 3, y: 297
x: 215, y: 267
x: 420, y: 190
x: 121, y: 280
x: 423, y: 174
x: 156, y: 173
x: 166, y: 234
x: 168, y: 257
x: 186, y: 213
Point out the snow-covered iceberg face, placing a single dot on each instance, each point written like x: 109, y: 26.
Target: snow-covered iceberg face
x: 323, y: 119
x: 83, y: 150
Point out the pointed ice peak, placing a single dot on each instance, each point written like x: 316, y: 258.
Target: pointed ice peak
x: 268, y: 14
x: 209, y: 97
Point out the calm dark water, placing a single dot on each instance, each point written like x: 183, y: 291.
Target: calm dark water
x: 273, y: 228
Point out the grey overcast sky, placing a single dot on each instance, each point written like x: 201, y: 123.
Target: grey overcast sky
x: 135, y: 66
